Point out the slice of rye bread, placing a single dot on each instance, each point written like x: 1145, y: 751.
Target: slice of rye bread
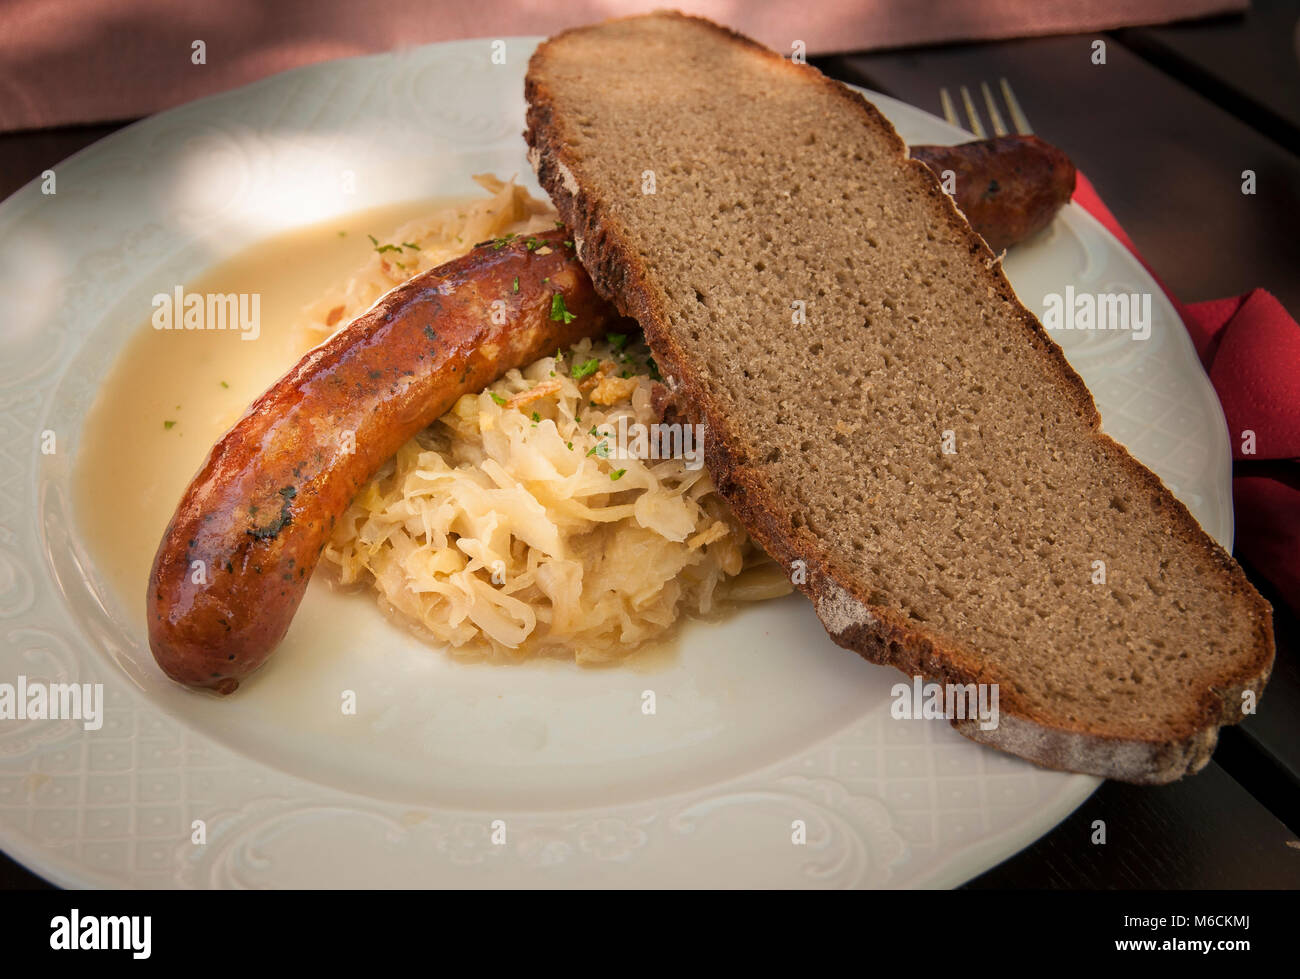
x: 773, y: 185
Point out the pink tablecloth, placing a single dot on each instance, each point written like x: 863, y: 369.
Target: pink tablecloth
x: 77, y: 61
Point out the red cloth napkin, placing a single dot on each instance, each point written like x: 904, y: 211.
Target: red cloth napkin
x: 1250, y: 347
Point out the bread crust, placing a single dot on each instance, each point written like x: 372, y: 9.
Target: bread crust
x: 883, y: 635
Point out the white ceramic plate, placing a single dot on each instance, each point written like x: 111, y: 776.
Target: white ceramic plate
x: 761, y: 720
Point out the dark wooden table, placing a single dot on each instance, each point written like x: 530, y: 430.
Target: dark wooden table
x: 1163, y: 130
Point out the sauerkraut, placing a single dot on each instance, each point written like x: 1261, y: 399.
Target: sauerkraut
x: 520, y: 523
x: 423, y: 244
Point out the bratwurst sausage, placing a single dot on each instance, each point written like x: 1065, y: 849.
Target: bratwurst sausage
x: 1008, y: 187
x: 235, y: 560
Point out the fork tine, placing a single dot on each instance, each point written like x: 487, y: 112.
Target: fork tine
x: 976, y: 126
x: 995, y: 117
x: 1013, y: 107
x: 949, y: 111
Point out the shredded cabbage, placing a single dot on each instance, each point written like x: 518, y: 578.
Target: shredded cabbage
x: 509, y: 527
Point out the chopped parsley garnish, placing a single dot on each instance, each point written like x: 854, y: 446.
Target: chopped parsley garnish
x: 169, y: 425
x: 600, y: 450
x: 407, y: 244
x: 559, y: 224
x: 224, y: 384
x: 501, y: 243
x: 558, y: 310
x: 570, y: 445
x: 532, y: 244
x: 616, y: 340
x: 568, y: 244
x: 654, y: 369
x: 617, y: 474
x: 515, y: 287
x: 536, y: 417
x: 382, y: 248
x: 497, y: 398
x: 585, y: 369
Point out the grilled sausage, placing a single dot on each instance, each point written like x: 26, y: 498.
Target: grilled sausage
x: 1008, y: 188
x: 236, y: 558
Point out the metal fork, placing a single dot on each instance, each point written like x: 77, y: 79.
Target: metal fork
x: 995, y: 116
